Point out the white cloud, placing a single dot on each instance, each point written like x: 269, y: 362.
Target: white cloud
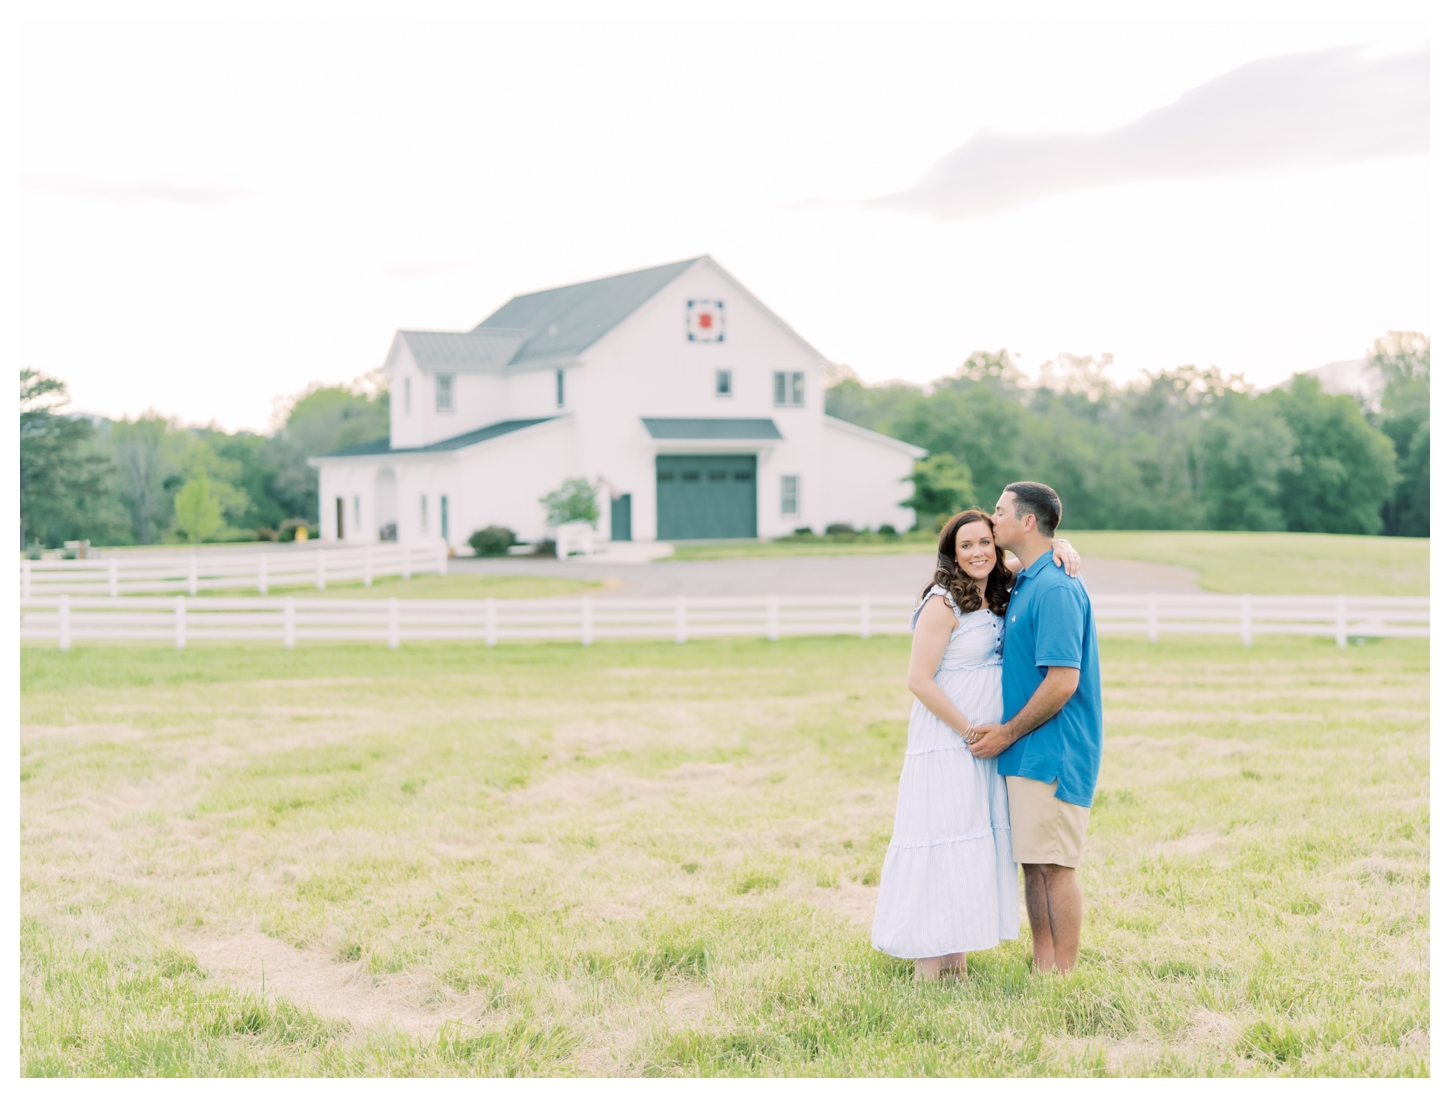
x: 136, y: 192
x: 1287, y: 113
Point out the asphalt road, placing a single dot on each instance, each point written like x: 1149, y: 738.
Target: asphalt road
x: 887, y: 574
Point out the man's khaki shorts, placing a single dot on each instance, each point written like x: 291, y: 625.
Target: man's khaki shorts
x: 1045, y: 830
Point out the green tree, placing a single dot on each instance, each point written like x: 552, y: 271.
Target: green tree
x: 572, y: 501
x: 323, y: 419
x: 198, y: 511
x: 1247, y: 446
x: 62, y: 477
x: 1402, y: 362
x: 1343, y: 470
x: 148, y: 455
x: 943, y: 487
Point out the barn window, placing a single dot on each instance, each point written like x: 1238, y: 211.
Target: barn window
x: 790, y: 388
x: 445, y: 392
x: 722, y: 383
x: 357, y: 511
x: 443, y: 516
x: 407, y: 394
x: 423, y: 513
x: 559, y: 388
x: 790, y: 495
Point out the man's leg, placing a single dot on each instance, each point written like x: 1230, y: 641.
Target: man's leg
x: 1064, y: 914
x: 1044, y: 953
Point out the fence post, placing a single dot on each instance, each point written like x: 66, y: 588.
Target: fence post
x: 262, y: 573
x: 407, y: 565
x: 865, y: 617
x: 1246, y: 620
x: 65, y: 623
x: 25, y: 579
x: 680, y: 634
x: 114, y: 578
x: 321, y: 572
x: 1341, y: 621
x: 367, y: 565
x: 394, y: 626
x: 191, y: 574
x: 1153, y: 619
x: 289, y: 622
x: 772, y: 618
x: 181, y: 620
x: 490, y: 622
x: 586, y: 621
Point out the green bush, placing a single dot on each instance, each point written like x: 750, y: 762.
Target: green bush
x: 492, y: 541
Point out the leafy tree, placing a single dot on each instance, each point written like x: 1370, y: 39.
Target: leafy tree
x: 1343, y: 470
x: 1246, y: 447
x: 62, y: 477
x: 148, y: 455
x: 1402, y: 361
x: 572, y: 501
x: 325, y: 418
x: 198, y: 511
x: 943, y: 487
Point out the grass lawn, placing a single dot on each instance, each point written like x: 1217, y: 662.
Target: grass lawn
x: 453, y: 586
x: 653, y: 859
x: 1229, y: 562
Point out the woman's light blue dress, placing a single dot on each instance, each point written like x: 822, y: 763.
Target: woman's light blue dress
x: 949, y: 884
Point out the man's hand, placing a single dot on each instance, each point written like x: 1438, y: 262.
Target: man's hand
x: 990, y: 740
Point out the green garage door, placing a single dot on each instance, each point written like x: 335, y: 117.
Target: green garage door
x: 705, y: 496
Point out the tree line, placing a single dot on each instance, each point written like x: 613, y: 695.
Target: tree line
x: 1184, y: 448
x: 150, y: 480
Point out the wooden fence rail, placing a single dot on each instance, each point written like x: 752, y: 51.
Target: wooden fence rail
x: 66, y: 619
x: 177, y: 572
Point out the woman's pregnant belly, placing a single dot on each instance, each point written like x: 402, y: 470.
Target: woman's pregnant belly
x: 975, y: 691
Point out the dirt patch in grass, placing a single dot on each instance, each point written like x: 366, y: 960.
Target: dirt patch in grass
x: 251, y: 962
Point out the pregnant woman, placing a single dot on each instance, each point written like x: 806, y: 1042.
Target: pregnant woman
x: 949, y: 885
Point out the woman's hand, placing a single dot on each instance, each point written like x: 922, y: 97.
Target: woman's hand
x: 1065, y: 556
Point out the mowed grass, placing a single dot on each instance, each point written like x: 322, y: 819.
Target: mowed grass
x: 658, y: 860
x: 1239, y: 563
x: 1227, y: 562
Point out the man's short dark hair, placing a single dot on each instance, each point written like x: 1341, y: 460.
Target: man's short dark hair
x: 1041, y: 500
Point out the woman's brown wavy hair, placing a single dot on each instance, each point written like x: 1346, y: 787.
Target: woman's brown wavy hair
x: 949, y: 573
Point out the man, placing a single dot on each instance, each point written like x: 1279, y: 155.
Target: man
x: 1051, y: 749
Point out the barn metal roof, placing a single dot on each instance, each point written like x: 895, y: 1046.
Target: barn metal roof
x: 721, y: 429
x: 566, y: 320
x: 488, y: 349
x: 457, y: 442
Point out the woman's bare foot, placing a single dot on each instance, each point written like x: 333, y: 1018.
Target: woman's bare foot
x: 954, y: 965
x: 927, y: 968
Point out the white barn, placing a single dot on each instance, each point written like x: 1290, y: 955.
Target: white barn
x: 695, y: 411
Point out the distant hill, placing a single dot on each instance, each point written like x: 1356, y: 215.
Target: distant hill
x: 1352, y: 376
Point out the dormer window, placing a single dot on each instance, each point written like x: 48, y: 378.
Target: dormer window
x: 445, y: 392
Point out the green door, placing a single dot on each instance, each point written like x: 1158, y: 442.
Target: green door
x: 704, y: 496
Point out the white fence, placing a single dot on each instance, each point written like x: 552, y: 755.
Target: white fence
x: 152, y: 573
x: 65, y: 619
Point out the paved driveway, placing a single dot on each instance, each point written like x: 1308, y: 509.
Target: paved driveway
x: 887, y: 574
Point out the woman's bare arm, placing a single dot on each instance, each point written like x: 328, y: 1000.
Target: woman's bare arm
x: 933, y: 630
x: 1063, y: 555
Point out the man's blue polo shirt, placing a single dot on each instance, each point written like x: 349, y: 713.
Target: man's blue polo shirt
x: 1050, y: 624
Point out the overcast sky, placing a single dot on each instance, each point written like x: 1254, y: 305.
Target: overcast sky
x: 205, y: 217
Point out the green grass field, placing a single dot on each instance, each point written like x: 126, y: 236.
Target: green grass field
x: 1226, y: 562
x: 650, y: 859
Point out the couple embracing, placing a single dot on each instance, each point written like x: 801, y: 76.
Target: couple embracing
x: 1003, y: 745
